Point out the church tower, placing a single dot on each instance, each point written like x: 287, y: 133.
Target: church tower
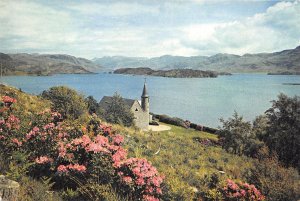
x: 145, y: 100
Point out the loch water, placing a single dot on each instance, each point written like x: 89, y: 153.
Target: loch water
x: 200, y: 100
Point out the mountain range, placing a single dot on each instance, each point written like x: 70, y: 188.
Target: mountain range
x: 45, y: 64
x: 277, y: 62
x: 286, y: 62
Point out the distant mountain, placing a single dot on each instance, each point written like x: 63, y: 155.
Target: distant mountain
x: 284, y: 61
x: 176, y: 73
x: 45, y: 64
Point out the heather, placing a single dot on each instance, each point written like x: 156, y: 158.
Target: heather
x: 59, y: 157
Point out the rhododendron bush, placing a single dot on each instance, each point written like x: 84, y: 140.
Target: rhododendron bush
x: 65, y: 153
x: 241, y: 191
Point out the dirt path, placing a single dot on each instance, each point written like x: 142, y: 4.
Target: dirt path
x: 159, y: 128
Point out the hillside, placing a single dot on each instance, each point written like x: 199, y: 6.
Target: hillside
x: 45, y: 64
x: 284, y: 61
x: 186, y: 164
x: 176, y: 73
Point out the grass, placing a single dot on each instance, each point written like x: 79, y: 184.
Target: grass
x: 191, y: 169
x: 186, y: 163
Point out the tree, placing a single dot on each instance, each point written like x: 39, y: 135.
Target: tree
x: 117, y: 112
x: 91, y: 104
x: 234, y: 133
x: 283, y: 132
x: 239, y: 137
x: 66, y: 101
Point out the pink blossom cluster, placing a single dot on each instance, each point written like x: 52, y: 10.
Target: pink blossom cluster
x: 140, y: 174
x: 66, y: 168
x: 75, y: 155
x: 17, y: 142
x: 106, y: 130
x: 7, y: 99
x: 11, y: 122
x: 45, y: 132
x: 43, y: 160
x: 241, y: 191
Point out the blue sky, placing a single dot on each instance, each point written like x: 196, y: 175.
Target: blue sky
x: 148, y: 28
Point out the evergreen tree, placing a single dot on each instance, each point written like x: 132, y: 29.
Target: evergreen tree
x: 118, y: 112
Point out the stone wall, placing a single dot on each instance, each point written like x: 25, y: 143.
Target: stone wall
x: 141, y: 116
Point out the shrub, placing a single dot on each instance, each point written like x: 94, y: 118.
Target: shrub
x: 141, y: 178
x: 173, y: 121
x: 117, y: 112
x: 66, y: 101
x: 241, y: 191
x: 65, y: 154
x: 275, y: 181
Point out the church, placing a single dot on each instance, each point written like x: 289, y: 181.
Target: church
x: 140, y: 110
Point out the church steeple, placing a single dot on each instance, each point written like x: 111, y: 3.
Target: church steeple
x: 145, y: 92
x: 145, y: 99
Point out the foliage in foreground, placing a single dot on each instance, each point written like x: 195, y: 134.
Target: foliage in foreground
x: 193, y: 168
x: 72, y: 157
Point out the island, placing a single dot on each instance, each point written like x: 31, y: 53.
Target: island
x: 174, y: 73
x: 285, y: 73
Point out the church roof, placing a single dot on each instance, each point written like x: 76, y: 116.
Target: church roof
x: 145, y: 91
x: 106, y: 100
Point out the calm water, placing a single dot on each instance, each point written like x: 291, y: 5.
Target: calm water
x: 201, y: 100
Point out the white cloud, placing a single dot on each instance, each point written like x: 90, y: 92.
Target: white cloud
x: 276, y: 29
x: 113, y: 9
x: 97, y: 29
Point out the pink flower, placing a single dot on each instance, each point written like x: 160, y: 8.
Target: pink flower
x: 103, y: 141
x: 43, y: 160
x: 140, y: 181
x: 16, y: 141
x: 127, y: 179
x: 118, y: 139
x: 35, y: 129
x: 77, y: 167
x: 85, y: 140
x: 62, y: 169
x: 61, y: 150
x: 7, y: 99
x: 49, y: 126
x: 243, y: 193
x: 150, y: 198
x: 77, y: 141
x: 120, y: 155
x: 13, y: 122
x: 157, y: 181
x: 158, y: 191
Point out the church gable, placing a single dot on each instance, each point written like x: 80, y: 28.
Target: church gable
x: 139, y: 110
x: 136, y: 107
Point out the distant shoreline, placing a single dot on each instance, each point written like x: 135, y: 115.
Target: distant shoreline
x: 173, y: 73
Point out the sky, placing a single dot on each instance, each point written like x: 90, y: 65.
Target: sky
x: 148, y: 28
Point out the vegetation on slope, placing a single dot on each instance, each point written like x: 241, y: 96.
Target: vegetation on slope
x: 85, y: 159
